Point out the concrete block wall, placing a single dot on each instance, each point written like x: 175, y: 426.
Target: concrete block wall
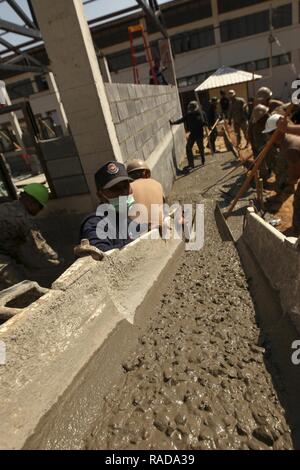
x: 141, y: 115
x: 279, y: 258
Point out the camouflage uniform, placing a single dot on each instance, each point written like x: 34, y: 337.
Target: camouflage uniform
x: 22, y: 247
x: 238, y: 113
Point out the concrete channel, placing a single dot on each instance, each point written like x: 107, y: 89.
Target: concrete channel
x: 194, y: 353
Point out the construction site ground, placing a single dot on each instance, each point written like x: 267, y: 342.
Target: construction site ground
x: 203, y: 375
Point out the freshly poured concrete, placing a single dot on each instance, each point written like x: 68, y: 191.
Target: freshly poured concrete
x: 199, y: 378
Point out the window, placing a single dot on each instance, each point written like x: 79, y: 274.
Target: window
x: 282, y: 16
x: 20, y: 89
x: 41, y: 83
x: 194, y: 39
x: 282, y: 59
x: 122, y: 60
x: 187, y: 13
x: 229, y: 5
x: 244, y: 26
x: 256, y: 23
x: 261, y: 64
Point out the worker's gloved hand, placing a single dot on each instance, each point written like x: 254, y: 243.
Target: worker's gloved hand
x: 86, y: 249
x: 59, y: 261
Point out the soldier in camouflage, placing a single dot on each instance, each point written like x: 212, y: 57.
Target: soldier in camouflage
x: 22, y: 247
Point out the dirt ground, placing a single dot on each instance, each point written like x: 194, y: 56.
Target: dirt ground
x: 198, y: 379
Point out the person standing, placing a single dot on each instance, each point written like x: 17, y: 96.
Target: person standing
x: 289, y: 146
x: 265, y: 96
x: 195, y: 120
x: 212, y: 117
x: 238, y: 114
x: 224, y: 103
x: 158, y: 78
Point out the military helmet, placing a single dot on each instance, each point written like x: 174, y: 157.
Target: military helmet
x: 193, y: 106
x: 135, y: 165
x: 232, y: 93
x: 259, y: 112
x: 214, y: 99
x: 264, y: 93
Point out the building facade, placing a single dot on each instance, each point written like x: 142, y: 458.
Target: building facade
x: 259, y: 36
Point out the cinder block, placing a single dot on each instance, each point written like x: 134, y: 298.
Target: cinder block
x: 122, y: 131
x: 123, y: 91
x: 114, y: 112
x: 130, y: 144
x: 64, y: 167
x: 131, y: 126
x: 123, y: 147
x: 112, y: 92
x: 139, y: 91
x: 132, y: 91
x: 138, y: 142
x: 122, y: 110
x: 131, y: 108
x: 70, y: 186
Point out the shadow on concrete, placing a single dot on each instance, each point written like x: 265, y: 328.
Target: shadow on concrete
x: 277, y: 334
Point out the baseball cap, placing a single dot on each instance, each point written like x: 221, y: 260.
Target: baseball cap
x: 111, y: 174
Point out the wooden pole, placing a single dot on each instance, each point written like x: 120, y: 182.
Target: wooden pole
x: 261, y: 194
x: 213, y: 127
x: 251, y: 175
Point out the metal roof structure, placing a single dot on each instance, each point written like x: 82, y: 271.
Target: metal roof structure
x: 227, y: 76
x: 15, y: 52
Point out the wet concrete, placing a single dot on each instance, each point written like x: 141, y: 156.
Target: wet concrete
x: 198, y: 378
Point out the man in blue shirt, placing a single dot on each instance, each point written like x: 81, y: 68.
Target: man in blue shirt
x: 110, y: 227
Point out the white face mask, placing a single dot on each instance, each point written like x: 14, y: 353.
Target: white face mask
x: 115, y: 202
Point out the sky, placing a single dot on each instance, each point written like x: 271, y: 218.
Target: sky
x: 92, y: 9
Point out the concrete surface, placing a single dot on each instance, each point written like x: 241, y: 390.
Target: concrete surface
x: 279, y: 258
x: 198, y: 379
x: 88, y: 313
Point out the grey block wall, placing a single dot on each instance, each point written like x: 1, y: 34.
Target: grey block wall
x: 141, y: 115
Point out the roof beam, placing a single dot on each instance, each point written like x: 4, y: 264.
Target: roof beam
x: 21, y: 68
x: 17, y: 29
x: 17, y: 51
x: 150, y: 13
x: 21, y: 13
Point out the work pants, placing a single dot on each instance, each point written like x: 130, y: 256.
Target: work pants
x: 238, y: 127
x: 189, y: 149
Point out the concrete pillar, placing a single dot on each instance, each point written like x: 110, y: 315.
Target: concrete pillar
x: 104, y: 69
x: 4, y: 97
x: 295, y: 7
x: 73, y: 60
x: 167, y: 60
x: 63, y: 121
x: 216, y: 23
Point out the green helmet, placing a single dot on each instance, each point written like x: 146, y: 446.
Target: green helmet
x: 38, y: 192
